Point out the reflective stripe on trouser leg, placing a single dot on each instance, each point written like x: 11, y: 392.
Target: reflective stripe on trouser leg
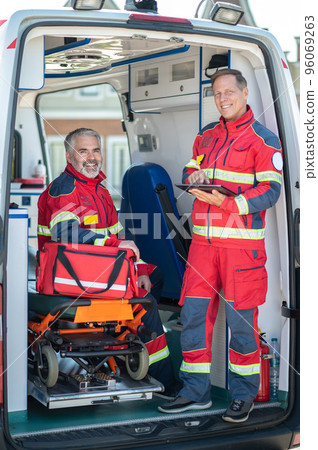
x: 160, y: 364
x: 157, y: 349
x: 244, y: 358
x: 197, y: 316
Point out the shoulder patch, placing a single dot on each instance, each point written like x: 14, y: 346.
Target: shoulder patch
x: 266, y: 135
x: 62, y: 185
x: 277, y: 161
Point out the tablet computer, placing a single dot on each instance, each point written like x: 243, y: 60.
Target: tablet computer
x: 207, y: 188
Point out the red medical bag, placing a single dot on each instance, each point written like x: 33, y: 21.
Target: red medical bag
x: 86, y: 271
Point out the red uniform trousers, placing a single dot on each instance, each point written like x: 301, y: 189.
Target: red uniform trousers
x: 243, y: 276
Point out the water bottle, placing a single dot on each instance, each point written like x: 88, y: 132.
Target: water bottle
x: 39, y: 170
x: 274, y: 369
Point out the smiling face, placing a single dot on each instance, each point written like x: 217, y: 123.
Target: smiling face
x: 230, y: 100
x: 86, y: 156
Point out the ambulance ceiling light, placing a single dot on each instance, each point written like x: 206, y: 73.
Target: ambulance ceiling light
x: 86, y: 5
x: 141, y: 5
x: 227, y: 13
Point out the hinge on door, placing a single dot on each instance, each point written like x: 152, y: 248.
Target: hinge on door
x: 297, y: 234
x: 290, y: 313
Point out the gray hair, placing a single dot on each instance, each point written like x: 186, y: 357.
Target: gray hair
x: 240, y: 80
x: 69, y: 141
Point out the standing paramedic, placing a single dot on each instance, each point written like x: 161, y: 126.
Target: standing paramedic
x: 77, y: 208
x: 227, y: 248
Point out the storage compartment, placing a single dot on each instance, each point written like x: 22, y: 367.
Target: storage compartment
x: 168, y: 83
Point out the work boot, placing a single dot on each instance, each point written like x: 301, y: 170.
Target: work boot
x: 182, y: 404
x: 238, y: 411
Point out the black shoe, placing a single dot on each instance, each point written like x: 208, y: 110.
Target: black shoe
x: 170, y: 392
x: 181, y: 404
x: 238, y: 411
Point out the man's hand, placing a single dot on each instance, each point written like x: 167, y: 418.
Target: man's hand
x: 198, y: 177
x: 144, y: 282
x: 215, y: 198
x: 132, y: 246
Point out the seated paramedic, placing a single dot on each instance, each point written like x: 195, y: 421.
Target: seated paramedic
x: 227, y: 248
x: 76, y: 207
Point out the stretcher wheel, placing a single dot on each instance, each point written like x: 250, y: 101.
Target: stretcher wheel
x: 50, y: 371
x: 137, y: 364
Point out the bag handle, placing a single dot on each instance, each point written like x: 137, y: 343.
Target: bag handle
x: 66, y: 263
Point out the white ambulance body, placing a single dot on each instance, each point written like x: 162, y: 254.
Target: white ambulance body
x: 156, y: 65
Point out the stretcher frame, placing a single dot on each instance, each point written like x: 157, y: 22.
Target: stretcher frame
x: 102, y: 333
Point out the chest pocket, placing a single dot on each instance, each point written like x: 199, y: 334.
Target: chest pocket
x: 237, y: 156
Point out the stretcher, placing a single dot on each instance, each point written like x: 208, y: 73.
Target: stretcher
x: 101, y: 337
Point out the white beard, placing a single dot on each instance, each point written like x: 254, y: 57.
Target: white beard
x: 89, y: 173
x: 92, y: 173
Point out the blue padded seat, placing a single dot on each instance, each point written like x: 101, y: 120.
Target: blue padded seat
x: 143, y: 214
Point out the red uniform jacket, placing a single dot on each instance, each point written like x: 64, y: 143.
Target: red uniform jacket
x: 246, y: 158
x: 78, y: 209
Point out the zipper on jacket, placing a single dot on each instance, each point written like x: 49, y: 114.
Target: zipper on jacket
x: 212, y: 150
x: 250, y: 268
x: 216, y: 157
x: 102, y: 203
x: 97, y: 209
x: 227, y: 152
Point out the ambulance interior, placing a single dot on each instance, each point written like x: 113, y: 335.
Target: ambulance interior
x: 165, y: 98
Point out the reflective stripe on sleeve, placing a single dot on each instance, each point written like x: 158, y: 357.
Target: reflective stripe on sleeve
x: 43, y: 231
x: 251, y: 369
x: 192, y: 164
x: 114, y: 229
x: 226, y: 175
x: 235, y: 233
x: 241, y: 204
x: 100, y: 241
x: 64, y: 216
x: 158, y: 356
x: 269, y: 176
x: 195, y: 367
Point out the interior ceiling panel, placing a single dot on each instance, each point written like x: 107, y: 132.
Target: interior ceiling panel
x: 98, y: 53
